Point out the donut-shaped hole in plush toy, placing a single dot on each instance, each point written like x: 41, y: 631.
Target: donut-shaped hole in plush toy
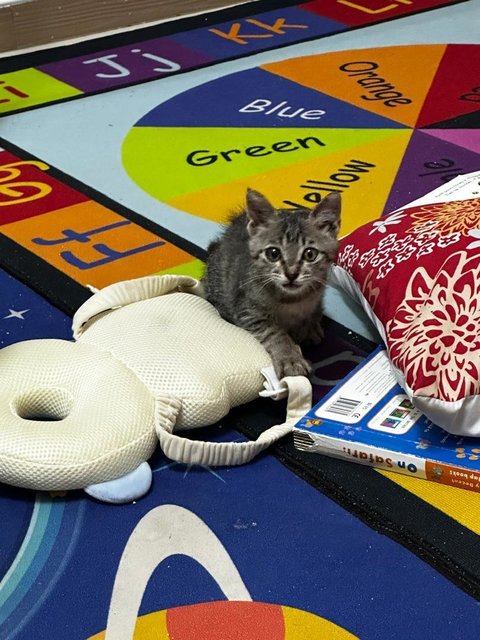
x: 71, y: 416
x: 44, y: 404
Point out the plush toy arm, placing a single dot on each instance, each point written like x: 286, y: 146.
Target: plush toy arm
x: 214, y: 454
x: 122, y: 293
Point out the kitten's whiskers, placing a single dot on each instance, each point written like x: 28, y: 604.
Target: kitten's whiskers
x: 253, y: 279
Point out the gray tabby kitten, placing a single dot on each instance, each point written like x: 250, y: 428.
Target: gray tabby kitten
x: 267, y: 273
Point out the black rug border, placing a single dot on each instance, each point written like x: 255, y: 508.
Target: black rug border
x: 173, y: 27
x: 62, y: 291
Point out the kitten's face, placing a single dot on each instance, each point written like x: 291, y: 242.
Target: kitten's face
x: 292, y: 250
x: 292, y: 258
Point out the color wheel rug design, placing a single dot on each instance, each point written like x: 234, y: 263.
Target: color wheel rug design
x: 303, y: 127
x: 292, y: 546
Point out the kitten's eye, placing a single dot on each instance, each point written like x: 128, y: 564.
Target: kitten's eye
x: 273, y: 254
x: 310, y: 254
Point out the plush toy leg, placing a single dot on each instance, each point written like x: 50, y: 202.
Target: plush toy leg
x: 125, y: 489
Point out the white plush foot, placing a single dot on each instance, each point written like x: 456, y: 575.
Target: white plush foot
x: 130, y: 487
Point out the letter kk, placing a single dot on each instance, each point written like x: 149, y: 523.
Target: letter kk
x: 277, y: 28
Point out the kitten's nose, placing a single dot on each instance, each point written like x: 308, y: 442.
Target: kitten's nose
x: 291, y: 277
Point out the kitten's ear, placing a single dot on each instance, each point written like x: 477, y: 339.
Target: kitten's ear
x: 259, y: 209
x: 327, y: 213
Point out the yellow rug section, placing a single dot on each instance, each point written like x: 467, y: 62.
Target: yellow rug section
x: 460, y: 504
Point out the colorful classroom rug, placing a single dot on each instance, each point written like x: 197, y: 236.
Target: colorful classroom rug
x: 286, y: 558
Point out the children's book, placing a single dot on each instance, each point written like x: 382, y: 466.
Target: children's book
x: 367, y: 418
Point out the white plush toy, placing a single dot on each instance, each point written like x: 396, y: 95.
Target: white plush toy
x: 150, y: 356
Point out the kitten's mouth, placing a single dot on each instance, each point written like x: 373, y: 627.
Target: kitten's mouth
x: 292, y: 290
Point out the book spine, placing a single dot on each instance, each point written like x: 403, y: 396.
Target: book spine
x: 452, y: 475
x: 407, y: 464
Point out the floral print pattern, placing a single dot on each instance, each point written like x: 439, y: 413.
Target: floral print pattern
x: 419, y: 270
x: 422, y: 239
x: 460, y: 216
x: 382, y: 225
x: 434, y: 334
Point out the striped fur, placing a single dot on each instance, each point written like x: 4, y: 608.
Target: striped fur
x: 267, y: 273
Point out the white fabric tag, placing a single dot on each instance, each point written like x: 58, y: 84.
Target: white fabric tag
x: 274, y: 388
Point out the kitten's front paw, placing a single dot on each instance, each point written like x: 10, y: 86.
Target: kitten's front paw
x: 292, y: 367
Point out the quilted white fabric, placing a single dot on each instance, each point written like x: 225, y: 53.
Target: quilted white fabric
x: 150, y: 357
x: 182, y: 348
x: 70, y: 416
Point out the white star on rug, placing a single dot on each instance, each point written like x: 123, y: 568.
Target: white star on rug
x: 16, y: 314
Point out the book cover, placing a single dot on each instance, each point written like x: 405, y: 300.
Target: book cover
x: 367, y: 418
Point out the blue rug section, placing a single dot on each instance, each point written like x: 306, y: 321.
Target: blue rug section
x: 290, y: 544
x: 258, y: 98
x: 25, y: 315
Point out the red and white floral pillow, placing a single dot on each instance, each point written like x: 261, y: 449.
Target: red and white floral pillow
x: 416, y: 272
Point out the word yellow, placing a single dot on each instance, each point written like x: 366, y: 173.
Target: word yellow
x: 364, y: 9
x: 338, y: 181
